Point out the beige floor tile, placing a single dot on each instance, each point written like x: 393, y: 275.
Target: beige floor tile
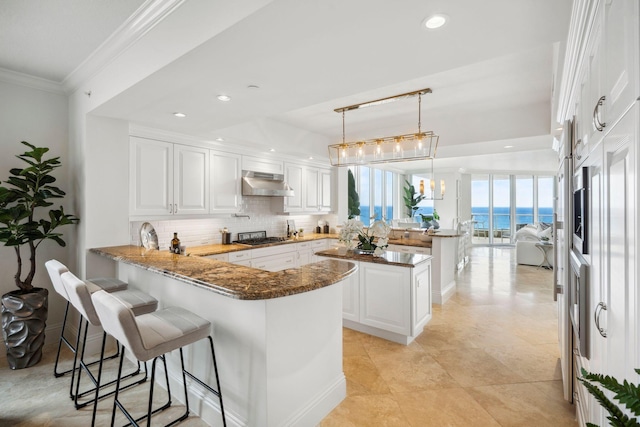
x: 526, y: 404
x: 363, y: 377
x: 367, y: 411
x: 411, y: 371
x: 448, y: 407
x: 532, y: 362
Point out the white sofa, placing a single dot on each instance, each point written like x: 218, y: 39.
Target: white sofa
x: 526, y: 238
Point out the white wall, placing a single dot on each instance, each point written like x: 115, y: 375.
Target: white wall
x: 40, y: 118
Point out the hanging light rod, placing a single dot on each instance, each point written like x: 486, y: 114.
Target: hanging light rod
x: 381, y: 101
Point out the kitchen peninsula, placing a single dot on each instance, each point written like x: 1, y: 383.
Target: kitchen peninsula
x: 389, y: 296
x: 278, y: 334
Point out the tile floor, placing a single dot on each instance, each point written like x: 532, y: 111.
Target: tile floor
x: 489, y: 357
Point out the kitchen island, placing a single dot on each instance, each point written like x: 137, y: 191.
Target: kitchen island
x: 389, y: 296
x: 278, y: 335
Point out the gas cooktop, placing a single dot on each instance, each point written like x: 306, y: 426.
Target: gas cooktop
x: 255, y: 238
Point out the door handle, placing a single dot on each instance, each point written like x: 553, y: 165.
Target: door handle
x: 597, y: 124
x: 170, y: 208
x: 596, y: 317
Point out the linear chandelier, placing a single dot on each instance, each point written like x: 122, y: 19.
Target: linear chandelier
x: 398, y: 148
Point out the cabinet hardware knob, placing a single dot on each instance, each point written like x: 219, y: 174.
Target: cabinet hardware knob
x: 170, y: 208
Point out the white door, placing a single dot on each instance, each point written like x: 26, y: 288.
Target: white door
x: 191, y: 180
x: 385, y: 297
x: 225, y: 174
x: 150, y: 177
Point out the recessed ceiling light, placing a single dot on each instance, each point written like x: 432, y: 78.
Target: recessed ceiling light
x: 508, y: 146
x: 253, y: 87
x: 224, y: 98
x: 219, y: 139
x: 180, y: 115
x: 310, y: 158
x: 272, y: 150
x: 436, y: 21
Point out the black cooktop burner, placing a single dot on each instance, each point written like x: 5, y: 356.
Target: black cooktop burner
x: 255, y: 238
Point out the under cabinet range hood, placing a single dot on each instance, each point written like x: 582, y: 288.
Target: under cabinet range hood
x: 264, y: 184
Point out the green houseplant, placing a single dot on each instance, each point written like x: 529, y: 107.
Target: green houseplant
x: 626, y: 393
x: 26, y: 220
x: 411, y: 199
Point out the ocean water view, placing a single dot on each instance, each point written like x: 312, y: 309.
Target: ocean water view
x: 501, y: 219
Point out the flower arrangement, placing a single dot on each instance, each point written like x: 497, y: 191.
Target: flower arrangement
x: 379, y: 230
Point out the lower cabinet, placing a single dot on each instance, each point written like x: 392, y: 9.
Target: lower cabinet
x: 275, y: 262
x: 391, y: 302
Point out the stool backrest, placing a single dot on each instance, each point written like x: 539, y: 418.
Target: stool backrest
x: 80, y: 297
x: 119, y: 321
x: 55, y: 269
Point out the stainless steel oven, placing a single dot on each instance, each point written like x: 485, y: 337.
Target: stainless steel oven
x: 581, y: 210
x: 579, y: 301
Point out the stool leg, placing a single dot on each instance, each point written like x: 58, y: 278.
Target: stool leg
x: 75, y: 358
x: 95, y: 404
x: 84, y: 344
x: 60, y: 341
x: 215, y: 369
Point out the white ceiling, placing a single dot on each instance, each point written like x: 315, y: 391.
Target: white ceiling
x: 491, y: 69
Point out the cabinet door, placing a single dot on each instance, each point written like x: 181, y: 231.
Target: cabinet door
x: 594, y: 113
x: 385, y: 297
x: 311, y: 195
x: 275, y: 262
x: 293, y: 177
x: 191, y: 180
x: 325, y: 190
x: 351, y: 297
x: 621, y: 56
x: 620, y: 175
x: 421, y: 296
x: 151, y: 177
x: 225, y: 175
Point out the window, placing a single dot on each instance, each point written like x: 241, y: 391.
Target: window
x: 502, y: 204
x: 376, y: 189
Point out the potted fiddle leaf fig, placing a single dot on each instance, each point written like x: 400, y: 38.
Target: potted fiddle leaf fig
x: 27, y: 219
x: 411, y: 199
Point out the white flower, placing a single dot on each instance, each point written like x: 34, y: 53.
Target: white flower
x: 354, y: 229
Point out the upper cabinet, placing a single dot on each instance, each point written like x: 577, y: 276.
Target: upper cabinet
x: 312, y: 187
x: 168, y: 179
x: 607, y: 83
x: 225, y: 181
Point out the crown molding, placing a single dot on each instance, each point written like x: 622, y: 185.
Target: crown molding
x: 144, y: 19
x: 13, y: 77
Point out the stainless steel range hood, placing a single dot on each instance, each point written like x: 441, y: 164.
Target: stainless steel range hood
x: 264, y: 184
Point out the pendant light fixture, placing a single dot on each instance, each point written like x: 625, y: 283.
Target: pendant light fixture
x: 432, y: 194
x: 398, y: 148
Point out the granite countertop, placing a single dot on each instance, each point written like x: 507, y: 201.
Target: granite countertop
x: 231, y: 280
x: 216, y: 249
x: 411, y: 242
x: 387, y: 257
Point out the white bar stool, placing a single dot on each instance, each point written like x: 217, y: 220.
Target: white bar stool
x: 79, y: 293
x: 55, y: 269
x: 151, y: 336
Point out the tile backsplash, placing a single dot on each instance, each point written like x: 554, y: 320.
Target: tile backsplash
x: 206, y: 231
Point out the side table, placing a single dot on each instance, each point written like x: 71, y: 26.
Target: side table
x: 545, y: 248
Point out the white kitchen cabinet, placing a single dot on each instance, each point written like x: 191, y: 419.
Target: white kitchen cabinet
x: 275, y: 262
x: 150, y: 177
x: 385, y: 297
x: 318, y: 245
x: 225, y: 177
x: 620, y: 61
x: 304, y: 253
x: 312, y: 188
x: 266, y: 165
x: 409, y: 249
x: 351, y: 298
x: 167, y: 179
x: 190, y: 180
x: 325, y: 191
x: 241, y: 257
x: 218, y: 257
x: 620, y: 259
x: 421, y: 295
x: 293, y: 175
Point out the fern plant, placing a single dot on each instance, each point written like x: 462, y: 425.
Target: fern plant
x: 626, y: 393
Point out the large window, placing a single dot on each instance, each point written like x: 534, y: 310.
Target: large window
x: 376, y: 190
x: 502, y: 204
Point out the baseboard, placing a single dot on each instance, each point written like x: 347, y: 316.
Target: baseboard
x: 446, y: 293
x: 320, y: 406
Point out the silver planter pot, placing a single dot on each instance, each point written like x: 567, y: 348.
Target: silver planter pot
x: 24, y: 318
